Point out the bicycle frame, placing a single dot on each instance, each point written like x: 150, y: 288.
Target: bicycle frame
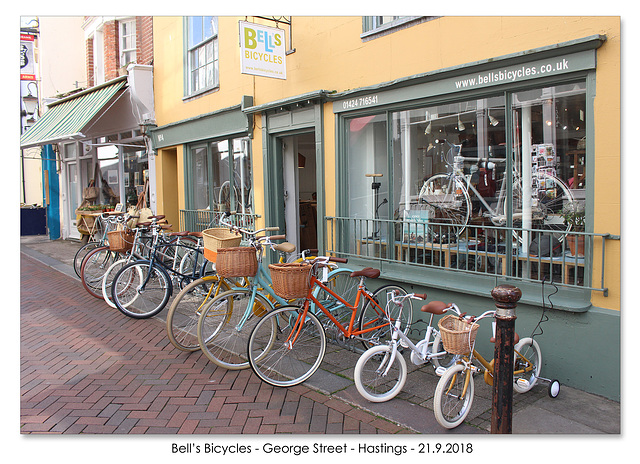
x: 488, y: 369
x: 362, y: 293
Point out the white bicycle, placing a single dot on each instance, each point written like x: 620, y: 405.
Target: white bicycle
x: 448, y: 199
x: 381, y: 371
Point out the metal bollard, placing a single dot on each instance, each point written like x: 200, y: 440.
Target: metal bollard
x: 506, y: 298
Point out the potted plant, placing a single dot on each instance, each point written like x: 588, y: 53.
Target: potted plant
x: 574, y: 215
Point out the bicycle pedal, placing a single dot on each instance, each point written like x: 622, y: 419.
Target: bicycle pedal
x: 524, y: 383
x: 440, y: 371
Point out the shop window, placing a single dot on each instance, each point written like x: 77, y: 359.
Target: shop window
x: 448, y: 180
x: 202, y: 54
x: 221, y: 176
x: 136, y: 174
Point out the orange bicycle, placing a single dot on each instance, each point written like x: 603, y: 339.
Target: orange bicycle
x: 288, y: 345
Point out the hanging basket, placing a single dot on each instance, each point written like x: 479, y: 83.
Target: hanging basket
x: 458, y: 335
x: 290, y: 280
x: 120, y: 241
x: 237, y: 262
x: 218, y: 237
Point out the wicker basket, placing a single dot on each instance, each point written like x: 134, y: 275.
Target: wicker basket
x: 218, y: 237
x: 120, y: 241
x: 237, y: 262
x: 458, y: 335
x: 290, y: 280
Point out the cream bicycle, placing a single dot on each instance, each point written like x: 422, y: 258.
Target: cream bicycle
x: 448, y: 199
x: 455, y: 390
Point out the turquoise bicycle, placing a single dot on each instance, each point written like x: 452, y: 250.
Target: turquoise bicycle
x: 225, y: 324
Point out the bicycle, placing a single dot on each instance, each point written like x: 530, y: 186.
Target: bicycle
x: 226, y: 322
x: 142, y: 288
x: 381, y: 371
x: 455, y: 390
x: 287, y: 345
x: 448, y: 199
x: 98, y: 259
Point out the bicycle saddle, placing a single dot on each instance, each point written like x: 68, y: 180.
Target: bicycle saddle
x: 286, y: 247
x: 367, y: 272
x: 435, y: 307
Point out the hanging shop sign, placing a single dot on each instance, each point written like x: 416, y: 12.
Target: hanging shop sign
x: 27, y: 60
x: 262, y: 51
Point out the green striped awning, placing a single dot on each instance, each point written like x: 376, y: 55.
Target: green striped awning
x: 67, y: 118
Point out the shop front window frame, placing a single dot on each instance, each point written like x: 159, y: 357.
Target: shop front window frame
x: 227, y: 186
x: 506, y: 93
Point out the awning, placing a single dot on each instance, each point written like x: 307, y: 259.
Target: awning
x: 66, y: 118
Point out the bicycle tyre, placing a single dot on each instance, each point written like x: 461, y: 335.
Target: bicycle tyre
x: 526, y: 351
x: 107, y: 280
x: 273, y: 359
x: 454, y: 207
x: 373, y: 315
x: 185, y: 309
x: 549, y: 210
x: 369, y: 377
x: 226, y: 323
x: 448, y: 406
x: 94, y: 266
x: 80, y: 255
x: 133, y: 300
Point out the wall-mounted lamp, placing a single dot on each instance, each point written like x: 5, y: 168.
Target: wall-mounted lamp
x: 493, y: 121
x: 427, y: 131
x: 460, y: 125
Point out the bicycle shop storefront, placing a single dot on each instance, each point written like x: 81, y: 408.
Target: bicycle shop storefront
x: 479, y: 170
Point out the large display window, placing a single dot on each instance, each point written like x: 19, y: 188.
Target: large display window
x: 501, y: 172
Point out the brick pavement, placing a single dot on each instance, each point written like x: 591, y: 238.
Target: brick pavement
x: 86, y: 368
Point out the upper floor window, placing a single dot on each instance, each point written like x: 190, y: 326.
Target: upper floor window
x: 374, y: 26
x: 202, y: 53
x: 127, y: 42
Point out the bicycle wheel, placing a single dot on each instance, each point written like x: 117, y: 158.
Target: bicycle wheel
x: 550, y: 196
x: 226, y: 323
x: 80, y: 255
x: 107, y: 280
x: 140, y: 290
x: 185, y: 310
x: 449, y: 405
x: 94, y: 266
x: 445, y: 359
x: 527, y: 363
x: 342, y: 284
x: 285, y: 350
x: 448, y: 203
x: 377, y: 377
x: 373, y: 315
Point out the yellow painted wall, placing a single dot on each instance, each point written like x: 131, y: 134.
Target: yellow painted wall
x: 330, y: 55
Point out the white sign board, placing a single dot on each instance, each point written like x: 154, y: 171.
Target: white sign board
x: 262, y: 51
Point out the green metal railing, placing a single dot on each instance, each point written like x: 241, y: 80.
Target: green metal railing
x: 515, y: 253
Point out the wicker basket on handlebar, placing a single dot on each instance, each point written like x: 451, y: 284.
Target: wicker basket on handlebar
x: 290, y: 280
x: 120, y: 241
x: 218, y: 237
x: 237, y: 262
x: 458, y: 335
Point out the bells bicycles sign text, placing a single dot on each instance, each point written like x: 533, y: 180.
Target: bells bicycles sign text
x: 262, y: 51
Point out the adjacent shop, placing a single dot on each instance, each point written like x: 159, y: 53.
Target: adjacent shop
x: 98, y: 137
